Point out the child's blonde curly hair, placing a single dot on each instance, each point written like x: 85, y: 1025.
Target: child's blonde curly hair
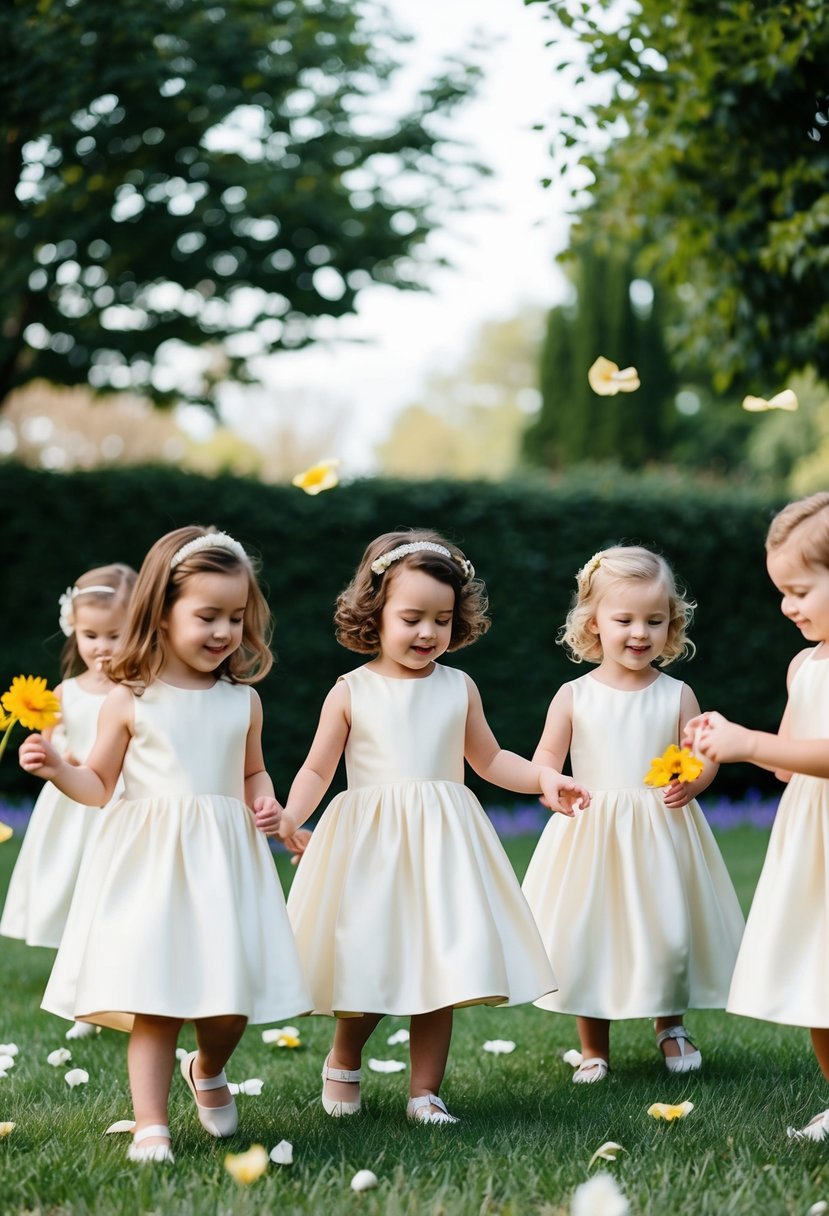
x: 806, y: 522
x: 595, y: 578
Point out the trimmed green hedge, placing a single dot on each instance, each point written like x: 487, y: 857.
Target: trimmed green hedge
x: 526, y: 542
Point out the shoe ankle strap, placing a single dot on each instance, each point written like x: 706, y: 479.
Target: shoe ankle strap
x: 203, y: 1083
x: 154, y: 1129
x: 353, y: 1075
x: 672, y: 1032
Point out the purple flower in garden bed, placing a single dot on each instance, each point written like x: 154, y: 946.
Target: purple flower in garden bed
x: 16, y: 815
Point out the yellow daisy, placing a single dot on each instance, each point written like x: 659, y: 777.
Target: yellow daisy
x: 31, y: 703
x: 676, y: 764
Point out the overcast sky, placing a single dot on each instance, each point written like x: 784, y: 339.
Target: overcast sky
x: 503, y: 250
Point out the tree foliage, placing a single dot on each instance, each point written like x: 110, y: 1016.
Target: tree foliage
x: 217, y: 175
x: 712, y: 151
x: 576, y: 425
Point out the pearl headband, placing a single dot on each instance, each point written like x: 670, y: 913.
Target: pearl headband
x: 589, y: 568
x: 381, y: 564
x: 66, y: 618
x: 213, y: 540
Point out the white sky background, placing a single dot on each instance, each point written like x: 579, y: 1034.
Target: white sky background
x: 502, y: 247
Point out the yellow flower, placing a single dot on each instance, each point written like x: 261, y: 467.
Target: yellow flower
x: 677, y: 764
x: 6, y: 1129
x: 605, y: 378
x: 608, y: 1151
x: 663, y: 1110
x: 31, y: 703
x: 786, y: 400
x: 245, y: 1168
x: 6, y: 833
x: 322, y: 476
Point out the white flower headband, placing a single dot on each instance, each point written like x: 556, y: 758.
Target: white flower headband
x: 213, y: 540
x: 381, y: 564
x: 67, y: 617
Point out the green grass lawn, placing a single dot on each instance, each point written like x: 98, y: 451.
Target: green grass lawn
x: 523, y: 1145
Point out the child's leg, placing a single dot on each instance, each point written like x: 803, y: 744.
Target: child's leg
x: 151, y: 1056
x: 350, y: 1037
x: 431, y: 1034
x: 670, y: 1047
x: 820, y: 1042
x: 594, y: 1036
x: 217, y: 1039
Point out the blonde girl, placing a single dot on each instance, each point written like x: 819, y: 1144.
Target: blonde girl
x: 178, y: 913
x: 405, y: 902
x: 781, y: 972
x: 92, y: 613
x: 632, y: 896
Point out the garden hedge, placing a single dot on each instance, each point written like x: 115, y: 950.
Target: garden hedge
x: 526, y: 541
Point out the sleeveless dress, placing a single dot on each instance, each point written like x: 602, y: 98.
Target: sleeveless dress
x: 178, y: 909
x: 405, y: 900
x: 633, y: 900
x: 59, y: 829
x: 782, y: 972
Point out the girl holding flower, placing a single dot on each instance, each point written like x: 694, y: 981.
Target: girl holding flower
x: 632, y: 896
x: 92, y: 613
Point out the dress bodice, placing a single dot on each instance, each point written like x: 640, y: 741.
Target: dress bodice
x: 188, y: 741
x: 79, y: 719
x: 406, y: 730
x: 808, y: 712
x: 616, y: 734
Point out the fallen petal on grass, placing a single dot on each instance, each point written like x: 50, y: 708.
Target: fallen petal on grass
x: 499, y: 1047
x: 608, y: 1151
x: 6, y: 1129
x: 182, y: 1053
x: 253, y: 1087
x: 61, y: 1055
x: 399, y: 1036
x: 245, y: 1168
x: 572, y: 1057
x: 664, y: 1110
x: 282, y: 1153
x: 76, y: 1076
x: 9, y: 1049
x: 121, y: 1125
x: 282, y: 1036
x: 386, y: 1065
x: 363, y: 1180
x: 6, y: 1062
x: 600, y: 1196
x: 817, y: 1209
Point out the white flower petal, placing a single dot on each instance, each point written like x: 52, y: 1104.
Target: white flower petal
x: 3, y: 1074
x: 291, y: 1030
x: 6, y: 1061
x: 819, y: 1208
x: 121, y: 1125
x: 608, y: 1151
x: 386, y: 1065
x: 76, y: 1076
x: 399, y: 1036
x: 6, y: 1129
x: 499, y: 1047
x: 363, y: 1180
x: 59, y: 1056
x: 572, y: 1057
x: 282, y: 1153
x: 182, y: 1053
x: 252, y: 1086
x: 600, y: 1196
x: 9, y: 1049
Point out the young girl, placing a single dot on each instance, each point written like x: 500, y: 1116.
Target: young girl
x: 178, y: 913
x: 92, y: 615
x: 632, y: 896
x: 781, y: 972
x: 405, y: 902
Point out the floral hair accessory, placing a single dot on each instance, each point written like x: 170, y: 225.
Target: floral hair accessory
x: 590, y: 567
x: 66, y: 618
x: 381, y: 564
x: 213, y: 540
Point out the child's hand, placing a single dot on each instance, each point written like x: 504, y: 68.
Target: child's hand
x: 723, y: 741
x: 37, y: 756
x: 297, y: 844
x: 562, y: 793
x: 678, y: 794
x: 267, y: 814
x: 693, y: 729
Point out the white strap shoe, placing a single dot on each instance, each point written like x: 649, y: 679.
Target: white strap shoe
x: 593, y: 1069
x: 220, y: 1121
x: 419, y: 1110
x: 151, y: 1152
x: 351, y: 1076
x: 686, y: 1061
x: 816, y: 1129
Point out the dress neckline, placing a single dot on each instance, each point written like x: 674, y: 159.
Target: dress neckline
x: 399, y: 679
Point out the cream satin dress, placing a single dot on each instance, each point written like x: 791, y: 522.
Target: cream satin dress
x: 633, y: 900
x: 405, y: 900
x: 178, y: 909
x: 782, y: 972
x: 44, y: 877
